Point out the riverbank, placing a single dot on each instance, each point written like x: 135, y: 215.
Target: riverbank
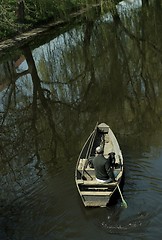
x: 25, y: 37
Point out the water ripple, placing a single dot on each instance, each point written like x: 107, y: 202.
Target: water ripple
x: 129, y: 225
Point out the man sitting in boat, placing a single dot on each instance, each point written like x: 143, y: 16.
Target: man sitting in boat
x: 103, y: 167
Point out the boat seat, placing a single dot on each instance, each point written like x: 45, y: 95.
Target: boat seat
x: 103, y: 127
x: 82, y: 163
x: 95, y: 182
x: 95, y: 193
x: 80, y: 181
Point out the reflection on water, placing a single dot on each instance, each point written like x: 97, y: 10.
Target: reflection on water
x: 106, y: 69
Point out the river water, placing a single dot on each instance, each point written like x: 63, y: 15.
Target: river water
x: 53, y: 91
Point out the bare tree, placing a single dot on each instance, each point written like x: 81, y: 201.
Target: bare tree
x: 145, y: 2
x: 20, y: 11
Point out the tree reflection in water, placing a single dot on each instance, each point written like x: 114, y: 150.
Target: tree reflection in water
x: 104, y: 70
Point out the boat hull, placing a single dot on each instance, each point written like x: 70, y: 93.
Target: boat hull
x: 92, y: 192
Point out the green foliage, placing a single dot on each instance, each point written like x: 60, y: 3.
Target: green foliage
x: 36, y: 12
x: 7, y: 17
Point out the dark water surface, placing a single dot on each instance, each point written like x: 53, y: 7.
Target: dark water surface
x: 51, y: 96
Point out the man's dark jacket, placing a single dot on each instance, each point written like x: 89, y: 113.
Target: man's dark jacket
x: 103, y: 168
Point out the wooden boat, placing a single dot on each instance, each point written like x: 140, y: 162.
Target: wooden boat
x: 92, y: 192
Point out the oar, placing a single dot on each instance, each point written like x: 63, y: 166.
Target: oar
x: 94, y: 135
x: 91, y: 142
x: 89, y: 150
x: 124, y: 204
x: 87, y: 156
